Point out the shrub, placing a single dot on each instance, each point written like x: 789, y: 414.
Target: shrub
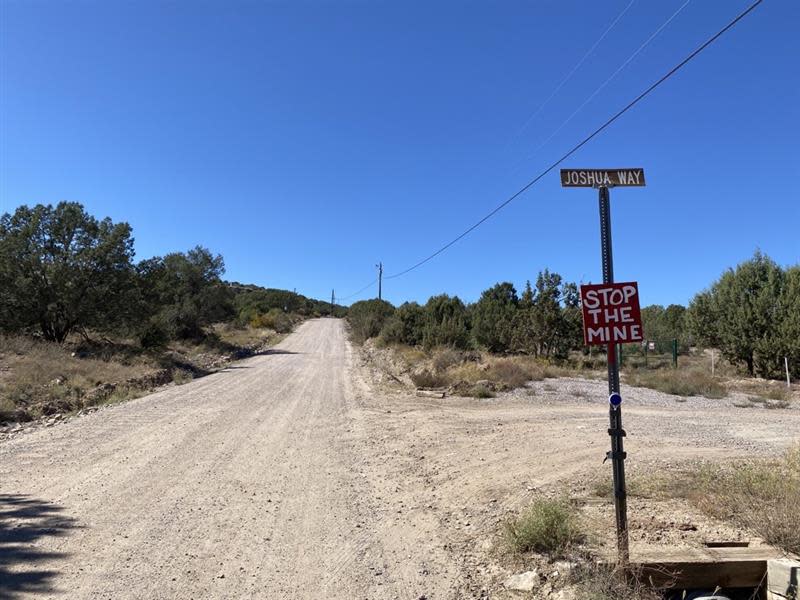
x: 548, y: 526
x: 446, y: 322
x: 679, y: 383
x: 493, y: 317
x: 508, y: 374
x: 481, y: 391
x: 153, y: 335
x: 275, y: 319
x: 427, y: 379
x: 447, y: 358
x: 405, y: 326
x: 367, y: 318
x: 603, y: 582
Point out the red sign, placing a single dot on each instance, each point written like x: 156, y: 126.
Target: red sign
x: 611, y: 313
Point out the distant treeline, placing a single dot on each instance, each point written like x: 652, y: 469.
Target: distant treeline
x: 62, y: 271
x: 545, y: 320
x: 751, y: 315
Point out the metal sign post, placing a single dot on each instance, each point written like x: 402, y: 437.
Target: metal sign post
x: 615, y: 430
x: 611, y: 315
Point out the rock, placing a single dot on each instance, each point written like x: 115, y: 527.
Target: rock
x: 567, y: 593
x: 563, y: 568
x: 522, y: 582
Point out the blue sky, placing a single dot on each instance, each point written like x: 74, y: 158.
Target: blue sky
x: 306, y: 141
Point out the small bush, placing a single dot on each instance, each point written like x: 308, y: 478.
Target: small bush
x: 508, y: 374
x: 367, y: 318
x: 604, y: 582
x: 428, y: 379
x: 447, y: 358
x: 481, y: 391
x: 548, y: 526
x: 154, y: 335
x: 679, y: 383
x: 7, y: 409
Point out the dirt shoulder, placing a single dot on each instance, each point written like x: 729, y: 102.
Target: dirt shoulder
x: 473, y: 463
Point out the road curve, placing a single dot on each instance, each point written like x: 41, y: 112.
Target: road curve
x: 248, y: 483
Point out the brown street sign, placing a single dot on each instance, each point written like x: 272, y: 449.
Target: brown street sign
x: 602, y: 177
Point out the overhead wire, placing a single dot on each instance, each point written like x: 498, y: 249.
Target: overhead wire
x: 585, y: 140
x: 613, y: 75
x: 362, y: 290
x: 576, y: 67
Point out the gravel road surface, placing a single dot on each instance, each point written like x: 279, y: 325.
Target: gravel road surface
x: 294, y: 475
x: 248, y: 483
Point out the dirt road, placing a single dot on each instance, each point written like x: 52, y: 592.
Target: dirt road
x: 245, y: 484
x: 289, y: 475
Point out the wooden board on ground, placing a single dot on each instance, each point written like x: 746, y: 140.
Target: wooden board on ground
x: 431, y: 393
x: 726, y: 567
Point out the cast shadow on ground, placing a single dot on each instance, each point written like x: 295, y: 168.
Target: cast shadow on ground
x: 24, y: 521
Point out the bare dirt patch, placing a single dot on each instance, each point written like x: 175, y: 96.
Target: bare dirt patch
x: 476, y: 463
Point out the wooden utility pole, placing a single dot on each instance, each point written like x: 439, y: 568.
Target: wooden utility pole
x: 380, y: 279
x: 333, y: 298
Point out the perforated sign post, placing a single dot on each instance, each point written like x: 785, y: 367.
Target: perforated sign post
x: 611, y: 316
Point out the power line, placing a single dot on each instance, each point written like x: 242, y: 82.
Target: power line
x: 363, y: 289
x: 613, y: 75
x: 576, y: 67
x: 587, y: 139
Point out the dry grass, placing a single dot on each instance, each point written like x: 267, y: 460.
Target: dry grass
x: 429, y: 379
x: 652, y: 485
x: 763, y: 391
x: 47, y: 377
x: 39, y: 378
x: 244, y: 337
x: 679, y: 382
x: 762, y: 496
x: 548, y: 526
x: 603, y: 582
x: 447, y: 358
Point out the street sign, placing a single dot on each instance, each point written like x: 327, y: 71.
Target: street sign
x: 602, y: 177
x: 611, y: 316
x: 611, y: 313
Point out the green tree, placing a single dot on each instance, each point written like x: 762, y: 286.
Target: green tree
x: 740, y: 315
x: 493, y: 317
x: 446, y: 322
x: 406, y: 326
x: 63, y: 270
x: 666, y: 324
x: 548, y: 322
x: 184, y: 292
x: 547, y: 315
x: 789, y: 316
x: 368, y: 317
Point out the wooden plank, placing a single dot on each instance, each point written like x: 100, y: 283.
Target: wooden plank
x: 430, y: 393
x: 727, y: 574
x: 726, y: 567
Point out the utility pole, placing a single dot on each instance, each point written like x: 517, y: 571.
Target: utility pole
x: 380, y: 278
x: 333, y: 298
